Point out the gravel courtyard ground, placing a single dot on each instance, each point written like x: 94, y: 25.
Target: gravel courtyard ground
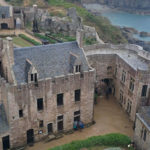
x: 109, y: 117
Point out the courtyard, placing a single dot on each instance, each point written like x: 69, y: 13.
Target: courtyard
x: 109, y: 117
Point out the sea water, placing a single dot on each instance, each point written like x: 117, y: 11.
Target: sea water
x: 124, y: 19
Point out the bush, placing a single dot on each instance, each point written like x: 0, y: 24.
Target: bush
x: 29, y: 40
x: 44, y: 38
x: 118, y: 140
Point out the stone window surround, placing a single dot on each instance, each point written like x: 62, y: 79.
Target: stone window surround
x: 131, y: 84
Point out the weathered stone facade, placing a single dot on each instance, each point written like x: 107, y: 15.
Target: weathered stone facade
x: 6, y: 17
x: 24, y: 96
x: 110, y: 62
x: 142, y: 129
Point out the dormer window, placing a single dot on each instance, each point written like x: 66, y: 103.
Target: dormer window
x: 78, y: 68
x: 34, y: 77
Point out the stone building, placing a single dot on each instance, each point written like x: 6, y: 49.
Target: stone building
x: 6, y: 17
x: 124, y: 69
x: 142, y: 129
x: 43, y: 90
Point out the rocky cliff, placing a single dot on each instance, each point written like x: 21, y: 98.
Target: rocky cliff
x: 129, y: 5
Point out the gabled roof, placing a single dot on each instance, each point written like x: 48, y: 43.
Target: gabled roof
x: 49, y: 60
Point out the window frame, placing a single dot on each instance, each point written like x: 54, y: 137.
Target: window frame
x: 144, y: 92
x: 40, y: 104
x: 77, y: 95
x: 60, y: 99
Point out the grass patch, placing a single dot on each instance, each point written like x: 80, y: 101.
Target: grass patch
x: 110, y: 140
x: 106, y: 31
x: 58, y: 36
x: 21, y: 42
x: 90, y: 41
x: 29, y: 40
x: 43, y: 37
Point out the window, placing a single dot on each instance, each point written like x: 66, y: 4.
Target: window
x: 41, y: 123
x: 144, y: 90
x: 40, y: 104
x: 32, y: 77
x: 77, y: 95
x: 116, y: 70
x: 59, y: 99
x: 129, y: 106
x: 131, y: 86
x: 123, y: 78
x: 20, y: 113
x: 78, y: 68
x: 35, y: 77
x: 109, y: 69
x: 77, y: 115
x: 144, y: 137
x: 121, y: 96
x: 143, y: 133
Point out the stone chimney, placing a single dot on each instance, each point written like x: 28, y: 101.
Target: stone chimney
x: 10, y: 50
x: 79, y: 37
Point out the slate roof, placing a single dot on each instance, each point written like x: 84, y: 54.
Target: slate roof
x: 144, y: 114
x: 4, y: 10
x: 49, y: 60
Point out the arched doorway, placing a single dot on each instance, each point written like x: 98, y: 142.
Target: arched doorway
x: 4, y: 26
x: 18, y: 23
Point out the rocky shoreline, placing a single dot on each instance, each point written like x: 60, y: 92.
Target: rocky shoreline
x: 137, y: 7
x: 128, y: 32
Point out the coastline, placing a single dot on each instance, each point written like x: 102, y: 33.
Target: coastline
x: 125, y: 9
x: 128, y: 32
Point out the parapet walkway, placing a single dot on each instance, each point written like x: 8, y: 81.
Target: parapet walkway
x: 109, y: 117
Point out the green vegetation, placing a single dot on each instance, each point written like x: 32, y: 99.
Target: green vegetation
x: 90, y: 41
x: 21, y: 42
x: 29, y: 39
x: 43, y: 37
x: 15, y: 2
x: 58, y: 36
x: 110, y: 140
x: 106, y: 31
x: 64, y: 38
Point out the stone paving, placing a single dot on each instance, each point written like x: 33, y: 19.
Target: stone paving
x: 109, y: 117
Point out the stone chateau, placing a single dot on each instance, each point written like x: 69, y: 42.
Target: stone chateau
x: 44, y: 89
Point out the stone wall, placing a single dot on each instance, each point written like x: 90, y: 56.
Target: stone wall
x: 101, y: 62
x: 140, y: 143
x: 25, y: 97
x: 8, y: 21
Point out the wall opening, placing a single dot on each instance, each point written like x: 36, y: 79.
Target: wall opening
x: 4, y: 26
x: 60, y: 124
x: 6, y: 142
x: 30, y: 136
x: 50, y: 128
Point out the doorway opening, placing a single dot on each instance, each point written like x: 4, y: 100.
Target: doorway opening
x: 6, y: 143
x: 50, y: 128
x: 4, y: 26
x: 30, y: 136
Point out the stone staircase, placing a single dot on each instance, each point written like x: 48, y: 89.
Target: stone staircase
x: 3, y: 120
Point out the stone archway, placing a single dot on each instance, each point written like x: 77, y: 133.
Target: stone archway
x: 18, y: 23
x: 4, y: 26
